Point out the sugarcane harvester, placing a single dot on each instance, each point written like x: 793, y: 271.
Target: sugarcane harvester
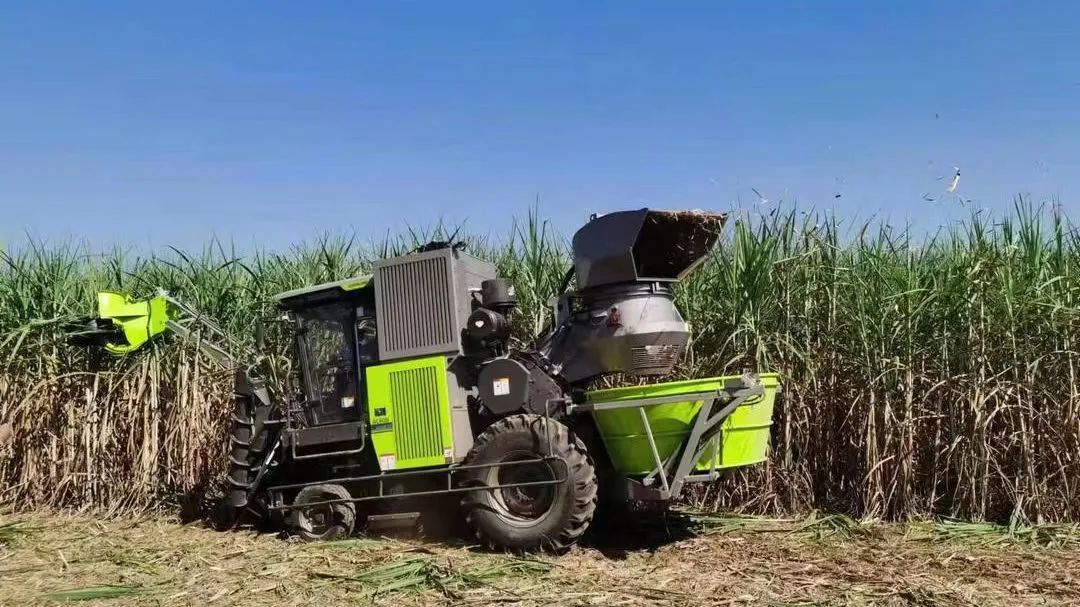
x: 413, y: 395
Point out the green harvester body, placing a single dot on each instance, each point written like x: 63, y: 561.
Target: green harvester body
x: 403, y: 435
x: 407, y: 386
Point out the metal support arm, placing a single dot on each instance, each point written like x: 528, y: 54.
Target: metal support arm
x: 221, y: 355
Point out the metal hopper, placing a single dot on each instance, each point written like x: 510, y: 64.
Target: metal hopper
x: 645, y: 245
x: 623, y: 318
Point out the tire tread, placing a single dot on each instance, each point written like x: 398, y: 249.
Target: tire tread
x: 580, y: 468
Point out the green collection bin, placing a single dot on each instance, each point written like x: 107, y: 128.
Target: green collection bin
x: 743, y: 439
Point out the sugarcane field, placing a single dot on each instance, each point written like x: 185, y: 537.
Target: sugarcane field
x: 951, y: 484
x: 539, y: 304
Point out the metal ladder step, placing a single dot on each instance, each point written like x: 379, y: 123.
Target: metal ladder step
x: 395, y: 520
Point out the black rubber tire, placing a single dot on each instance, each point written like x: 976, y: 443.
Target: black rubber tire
x: 567, y: 507
x: 342, y: 516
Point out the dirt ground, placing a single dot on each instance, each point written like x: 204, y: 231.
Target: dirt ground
x: 50, y: 559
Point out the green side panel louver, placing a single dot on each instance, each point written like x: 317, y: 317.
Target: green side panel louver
x: 409, y: 409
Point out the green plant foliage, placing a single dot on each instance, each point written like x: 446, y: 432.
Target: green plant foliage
x: 923, y: 373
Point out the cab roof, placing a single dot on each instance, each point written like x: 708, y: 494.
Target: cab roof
x: 322, y: 293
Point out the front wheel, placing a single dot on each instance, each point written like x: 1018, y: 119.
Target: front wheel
x: 323, y: 521
x: 539, y: 505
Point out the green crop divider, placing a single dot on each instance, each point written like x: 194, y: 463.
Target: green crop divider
x: 137, y: 321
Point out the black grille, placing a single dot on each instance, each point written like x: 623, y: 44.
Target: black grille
x: 416, y: 308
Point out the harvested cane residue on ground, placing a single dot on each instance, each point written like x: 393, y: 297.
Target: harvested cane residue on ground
x: 738, y: 561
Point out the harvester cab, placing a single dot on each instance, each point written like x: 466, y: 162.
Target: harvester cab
x: 414, y: 398
x: 334, y: 331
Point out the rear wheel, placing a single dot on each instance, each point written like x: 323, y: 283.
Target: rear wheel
x: 322, y: 521
x: 530, y: 514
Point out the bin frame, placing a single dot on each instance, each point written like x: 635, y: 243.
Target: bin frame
x: 669, y: 476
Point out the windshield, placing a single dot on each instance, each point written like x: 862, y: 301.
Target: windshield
x: 329, y: 361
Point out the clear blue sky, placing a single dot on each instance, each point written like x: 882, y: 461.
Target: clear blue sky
x: 138, y: 123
